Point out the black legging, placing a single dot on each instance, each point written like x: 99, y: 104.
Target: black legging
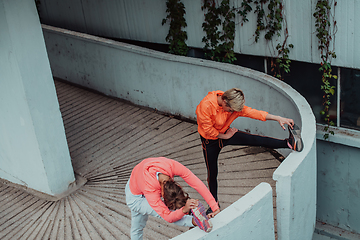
x: 212, y: 148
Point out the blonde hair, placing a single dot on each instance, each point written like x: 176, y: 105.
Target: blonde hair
x: 234, y: 98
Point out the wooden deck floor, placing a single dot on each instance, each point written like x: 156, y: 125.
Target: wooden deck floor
x: 107, y: 138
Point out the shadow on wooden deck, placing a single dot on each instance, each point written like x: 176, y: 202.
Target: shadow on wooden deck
x: 107, y: 138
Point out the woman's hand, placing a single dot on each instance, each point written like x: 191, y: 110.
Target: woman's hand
x: 228, y: 134
x: 281, y: 120
x: 211, y: 215
x: 190, y: 204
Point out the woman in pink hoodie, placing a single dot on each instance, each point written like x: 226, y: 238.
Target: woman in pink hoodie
x: 150, y: 181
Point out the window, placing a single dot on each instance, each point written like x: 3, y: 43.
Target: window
x: 306, y: 79
x: 350, y: 98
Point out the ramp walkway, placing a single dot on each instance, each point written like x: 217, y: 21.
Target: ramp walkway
x: 107, y: 138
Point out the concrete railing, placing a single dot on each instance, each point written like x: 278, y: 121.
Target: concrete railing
x: 253, y: 212
x: 296, y: 192
x: 176, y: 85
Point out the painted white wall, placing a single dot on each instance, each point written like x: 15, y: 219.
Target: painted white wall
x: 141, y: 20
x: 33, y: 147
x: 176, y: 84
x: 250, y: 218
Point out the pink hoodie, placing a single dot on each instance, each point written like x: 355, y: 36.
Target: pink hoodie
x: 143, y: 181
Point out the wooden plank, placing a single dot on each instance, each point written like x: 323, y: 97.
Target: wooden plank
x: 107, y: 138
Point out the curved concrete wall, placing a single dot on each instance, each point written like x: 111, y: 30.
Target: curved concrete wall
x: 176, y: 84
x: 294, y: 201
x: 253, y: 211
x: 169, y: 83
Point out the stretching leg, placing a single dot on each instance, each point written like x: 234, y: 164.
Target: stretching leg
x: 211, y: 150
x: 138, y: 223
x: 243, y: 138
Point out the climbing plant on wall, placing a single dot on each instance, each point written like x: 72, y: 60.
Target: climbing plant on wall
x: 325, y: 25
x: 177, y: 36
x: 219, y: 28
x: 270, y: 20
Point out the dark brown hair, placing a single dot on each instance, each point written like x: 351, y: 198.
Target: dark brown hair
x: 174, y: 196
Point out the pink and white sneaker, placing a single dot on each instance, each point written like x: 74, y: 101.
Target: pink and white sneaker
x: 201, y: 219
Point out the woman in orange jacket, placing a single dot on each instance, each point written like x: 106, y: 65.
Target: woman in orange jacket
x: 217, y: 111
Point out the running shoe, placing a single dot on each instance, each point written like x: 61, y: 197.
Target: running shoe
x: 201, y: 219
x: 295, y: 142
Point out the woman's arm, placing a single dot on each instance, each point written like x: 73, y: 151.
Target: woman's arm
x: 194, y: 182
x: 159, y: 206
x: 281, y: 120
x: 211, y: 215
x: 228, y: 134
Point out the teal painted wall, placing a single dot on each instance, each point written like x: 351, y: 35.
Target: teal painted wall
x: 338, y: 180
x: 141, y: 20
x: 33, y: 147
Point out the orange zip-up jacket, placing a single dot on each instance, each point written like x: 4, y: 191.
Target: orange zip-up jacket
x: 143, y: 181
x: 212, y: 119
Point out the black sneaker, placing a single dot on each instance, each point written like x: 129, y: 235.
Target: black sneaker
x: 208, y: 211
x: 295, y: 140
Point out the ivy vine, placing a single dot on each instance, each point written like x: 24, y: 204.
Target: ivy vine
x: 324, y: 33
x: 270, y: 19
x: 219, y: 44
x: 219, y: 28
x: 177, y: 36
x: 281, y: 64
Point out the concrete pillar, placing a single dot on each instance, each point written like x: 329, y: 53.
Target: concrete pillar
x: 33, y: 148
